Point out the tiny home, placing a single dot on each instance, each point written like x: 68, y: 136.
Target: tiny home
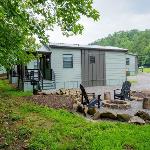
x: 66, y: 66
x: 131, y: 64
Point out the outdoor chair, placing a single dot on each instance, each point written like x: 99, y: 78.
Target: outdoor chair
x: 124, y: 92
x: 85, y: 99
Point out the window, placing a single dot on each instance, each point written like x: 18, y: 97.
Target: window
x: 67, y: 61
x: 92, y: 59
x: 35, y: 65
x: 127, y: 61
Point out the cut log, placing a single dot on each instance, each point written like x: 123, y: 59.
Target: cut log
x: 146, y: 103
x: 107, y: 96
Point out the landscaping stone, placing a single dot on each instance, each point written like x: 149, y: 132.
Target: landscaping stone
x: 145, y: 116
x: 85, y: 110
x: 96, y: 116
x: 123, y: 117
x: 116, y: 104
x: 80, y: 108
x: 136, y: 120
x: 75, y: 106
x: 91, y: 111
x: 109, y: 115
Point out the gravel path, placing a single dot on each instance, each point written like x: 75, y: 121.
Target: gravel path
x: 143, y: 82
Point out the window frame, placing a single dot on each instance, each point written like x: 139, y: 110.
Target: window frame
x: 127, y: 61
x: 92, y: 59
x: 71, y: 62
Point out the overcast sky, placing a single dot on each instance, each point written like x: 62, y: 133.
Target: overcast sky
x: 115, y: 15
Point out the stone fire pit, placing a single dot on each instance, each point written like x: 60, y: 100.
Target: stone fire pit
x: 116, y: 104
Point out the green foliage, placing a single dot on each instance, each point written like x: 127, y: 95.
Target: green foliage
x: 135, y: 41
x: 22, y: 21
x: 46, y: 128
x: 24, y: 132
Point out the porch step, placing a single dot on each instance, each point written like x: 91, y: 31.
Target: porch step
x: 47, y: 85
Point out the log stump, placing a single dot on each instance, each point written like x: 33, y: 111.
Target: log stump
x: 146, y: 103
x: 107, y: 96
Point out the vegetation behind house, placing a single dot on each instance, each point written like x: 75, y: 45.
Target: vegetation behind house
x: 137, y: 42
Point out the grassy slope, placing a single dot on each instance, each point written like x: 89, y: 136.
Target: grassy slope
x: 25, y: 124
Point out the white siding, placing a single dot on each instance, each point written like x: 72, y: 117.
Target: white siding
x: 66, y: 77
x: 132, y: 66
x: 2, y: 70
x: 115, y: 68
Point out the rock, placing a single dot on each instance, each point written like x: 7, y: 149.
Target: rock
x: 145, y: 116
x: 79, y: 103
x: 136, y: 120
x: 140, y: 99
x: 40, y: 93
x: 62, y: 91
x: 147, y: 121
x: 96, y: 115
x: 80, y: 108
x: 75, y: 106
x: 123, y: 117
x: 85, y: 110
x: 91, y: 111
x: 109, y: 115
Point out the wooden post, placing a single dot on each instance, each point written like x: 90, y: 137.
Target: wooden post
x: 107, y: 96
x: 146, y: 103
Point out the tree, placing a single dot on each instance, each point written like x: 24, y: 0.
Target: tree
x: 23, y: 20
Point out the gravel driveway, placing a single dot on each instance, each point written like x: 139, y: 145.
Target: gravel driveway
x: 143, y: 82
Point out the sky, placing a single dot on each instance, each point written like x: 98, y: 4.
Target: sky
x: 115, y: 15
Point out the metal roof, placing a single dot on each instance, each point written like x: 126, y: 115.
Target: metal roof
x: 132, y: 54
x: 91, y: 47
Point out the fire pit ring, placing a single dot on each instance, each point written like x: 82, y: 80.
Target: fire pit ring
x: 116, y: 104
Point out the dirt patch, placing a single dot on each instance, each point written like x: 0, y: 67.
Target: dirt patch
x: 53, y: 101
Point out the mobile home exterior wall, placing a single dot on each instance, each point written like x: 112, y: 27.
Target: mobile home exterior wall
x: 132, y: 64
x: 66, y: 77
x: 115, y: 68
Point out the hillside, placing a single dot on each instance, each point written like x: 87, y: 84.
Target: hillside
x: 25, y: 125
x: 135, y: 41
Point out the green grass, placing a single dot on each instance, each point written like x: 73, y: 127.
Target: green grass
x: 25, y: 124
x: 147, y: 70
x: 133, y: 81
x: 6, y: 89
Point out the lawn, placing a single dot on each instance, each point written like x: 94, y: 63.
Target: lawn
x: 147, y: 70
x: 25, y: 125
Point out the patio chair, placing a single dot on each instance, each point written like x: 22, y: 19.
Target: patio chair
x: 85, y: 99
x: 124, y: 92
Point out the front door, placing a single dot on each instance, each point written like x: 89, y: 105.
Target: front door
x: 45, y: 66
